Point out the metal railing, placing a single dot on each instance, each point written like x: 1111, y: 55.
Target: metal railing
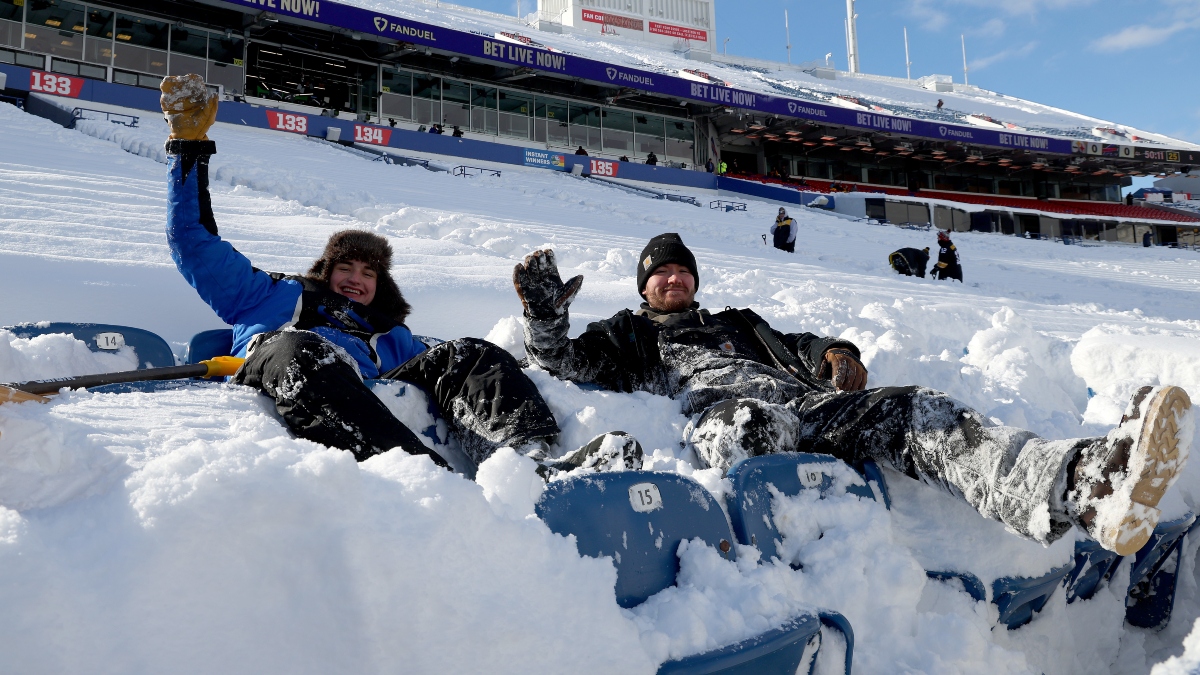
x: 130, y: 121
x: 464, y: 170
x: 727, y: 205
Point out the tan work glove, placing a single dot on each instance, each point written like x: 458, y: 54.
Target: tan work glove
x: 846, y: 372
x: 190, y: 108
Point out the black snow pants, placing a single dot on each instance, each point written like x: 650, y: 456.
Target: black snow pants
x: 1007, y: 474
x: 478, y: 387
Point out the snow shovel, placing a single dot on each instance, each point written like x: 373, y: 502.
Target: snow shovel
x: 37, y: 390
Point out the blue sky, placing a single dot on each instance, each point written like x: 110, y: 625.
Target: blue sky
x: 1134, y: 62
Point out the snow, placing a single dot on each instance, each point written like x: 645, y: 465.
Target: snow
x: 140, y: 531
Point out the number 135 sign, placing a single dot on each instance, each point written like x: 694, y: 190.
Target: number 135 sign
x: 58, y: 85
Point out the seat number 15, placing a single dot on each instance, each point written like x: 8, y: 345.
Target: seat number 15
x: 644, y: 497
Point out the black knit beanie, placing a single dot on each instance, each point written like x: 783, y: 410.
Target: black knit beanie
x: 663, y: 249
x: 376, y: 253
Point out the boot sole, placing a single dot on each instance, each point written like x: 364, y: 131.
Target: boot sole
x: 1156, y: 462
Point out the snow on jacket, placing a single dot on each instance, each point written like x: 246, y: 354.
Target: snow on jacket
x: 254, y: 301
x: 694, y: 356
x: 784, y: 228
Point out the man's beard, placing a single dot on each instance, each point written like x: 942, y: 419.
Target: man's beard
x: 661, y: 303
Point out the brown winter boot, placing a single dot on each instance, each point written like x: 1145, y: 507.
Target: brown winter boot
x: 1118, y: 481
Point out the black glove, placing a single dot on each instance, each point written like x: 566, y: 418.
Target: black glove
x: 541, y: 289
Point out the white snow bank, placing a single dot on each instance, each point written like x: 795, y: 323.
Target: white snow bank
x: 293, y: 558
x: 1116, y: 360
x: 1186, y: 664
x: 56, y: 355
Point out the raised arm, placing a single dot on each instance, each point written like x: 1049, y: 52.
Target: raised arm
x: 603, y: 355
x: 223, y: 277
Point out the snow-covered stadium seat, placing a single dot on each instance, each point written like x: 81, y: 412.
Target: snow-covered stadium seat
x: 1017, y: 598
x: 1153, y: 577
x: 152, y: 351
x: 638, y: 518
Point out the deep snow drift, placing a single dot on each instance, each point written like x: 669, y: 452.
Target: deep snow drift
x: 186, y: 531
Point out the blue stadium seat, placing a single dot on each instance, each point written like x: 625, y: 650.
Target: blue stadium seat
x: 638, y: 519
x: 789, y: 472
x: 207, y: 344
x: 152, y: 351
x: 1019, y: 598
x: 1094, y: 566
x: 750, y: 514
x: 1153, y: 577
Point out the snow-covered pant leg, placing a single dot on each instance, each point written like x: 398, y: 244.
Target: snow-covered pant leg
x: 321, y: 397
x: 1007, y: 474
x: 736, y: 429
x: 481, y: 389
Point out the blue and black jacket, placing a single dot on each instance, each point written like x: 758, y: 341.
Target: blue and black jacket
x: 254, y: 301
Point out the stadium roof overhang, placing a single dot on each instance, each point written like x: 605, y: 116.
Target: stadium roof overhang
x: 520, y: 61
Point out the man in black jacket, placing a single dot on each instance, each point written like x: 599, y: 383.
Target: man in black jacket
x: 752, y: 390
x: 910, y: 262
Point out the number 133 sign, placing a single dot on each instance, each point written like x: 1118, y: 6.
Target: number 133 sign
x: 58, y: 85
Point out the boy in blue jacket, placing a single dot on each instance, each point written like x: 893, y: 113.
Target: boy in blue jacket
x: 309, y: 341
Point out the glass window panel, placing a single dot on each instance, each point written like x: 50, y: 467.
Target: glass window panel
x: 183, y: 65
x: 879, y: 176
x: 554, y: 131
x: 121, y: 77
x: 517, y: 104
x: 143, y: 32
x: 588, y: 137
x: 483, y: 97
x: 456, y: 92
x: 618, y: 120
x: 57, y: 14
x: 618, y: 131
x: 455, y: 114
x: 100, y: 23
x: 10, y: 35
x: 584, y: 115
x: 189, y: 41
x: 224, y: 49
x: 397, y: 82
x: 94, y: 72
x: 427, y: 86
x: 485, y: 121
x: 64, y: 67
x: 368, y: 88
x: 552, y: 109
x: 230, y: 77
x: 423, y: 110
x: 396, y: 106
x: 680, y: 140
x: 539, y: 130
x: 141, y: 59
x: 53, y: 41
x: 514, y: 126
x: 10, y: 10
x: 649, y: 133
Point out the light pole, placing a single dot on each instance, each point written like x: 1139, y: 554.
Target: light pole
x: 725, y: 46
